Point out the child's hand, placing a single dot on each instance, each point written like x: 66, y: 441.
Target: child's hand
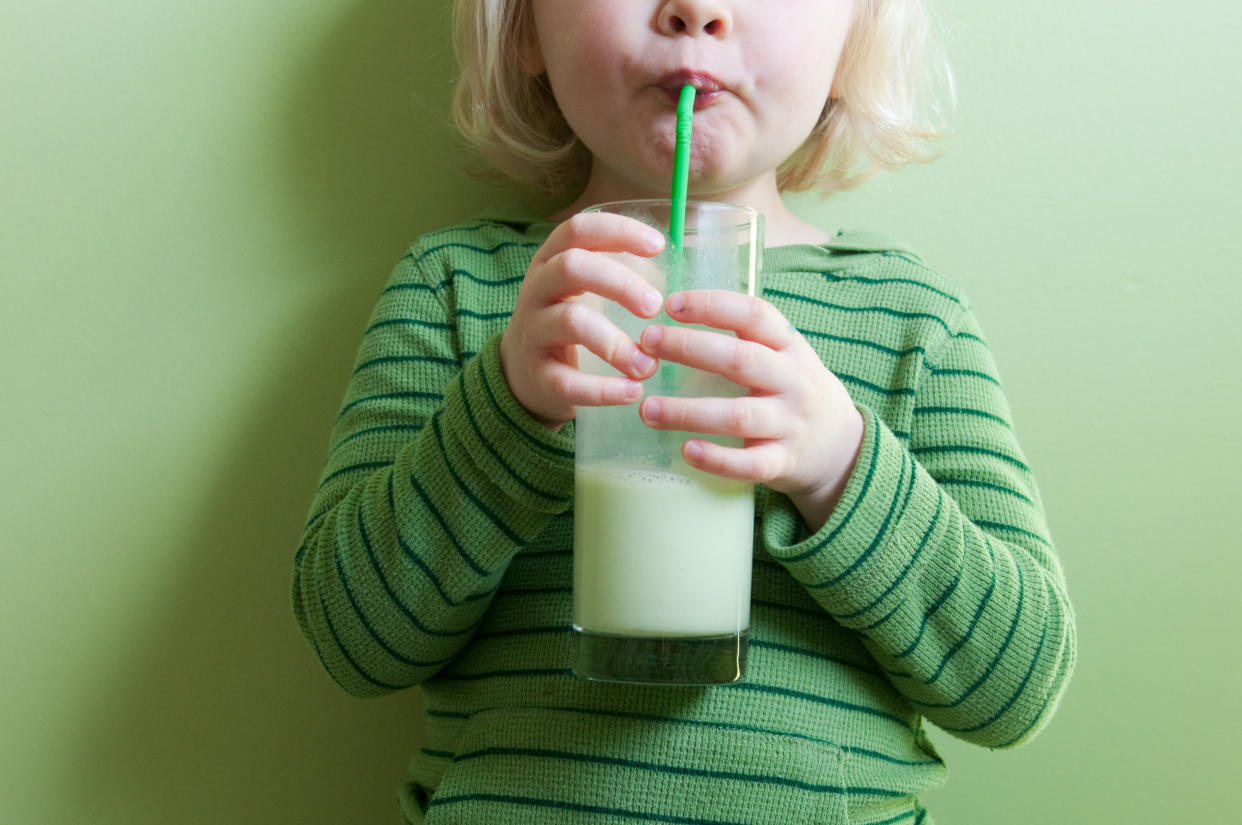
x: 800, y: 428
x: 537, y: 351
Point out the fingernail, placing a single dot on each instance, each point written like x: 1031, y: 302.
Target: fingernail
x: 652, y: 301
x: 654, y: 240
x: 650, y: 409
x: 643, y: 363
x: 675, y: 302
x: 693, y: 450
x: 651, y: 337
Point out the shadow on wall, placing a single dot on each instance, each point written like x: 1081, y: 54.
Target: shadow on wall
x: 221, y: 712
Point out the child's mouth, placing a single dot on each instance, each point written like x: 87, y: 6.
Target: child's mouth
x: 707, y: 88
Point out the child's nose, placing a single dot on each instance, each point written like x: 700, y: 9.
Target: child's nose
x: 695, y: 17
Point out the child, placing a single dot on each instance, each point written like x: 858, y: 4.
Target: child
x: 903, y: 569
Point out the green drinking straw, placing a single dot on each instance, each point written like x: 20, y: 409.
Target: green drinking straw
x: 681, y: 170
x: 677, y: 210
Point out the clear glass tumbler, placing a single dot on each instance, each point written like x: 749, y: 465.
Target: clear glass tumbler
x: 663, y: 552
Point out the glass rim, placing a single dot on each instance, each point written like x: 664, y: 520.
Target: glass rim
x: 702, y: 206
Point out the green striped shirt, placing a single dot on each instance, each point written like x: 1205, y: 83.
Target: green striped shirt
x: 438, y: 553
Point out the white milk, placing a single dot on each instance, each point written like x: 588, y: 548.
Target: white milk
x: 661, y: 554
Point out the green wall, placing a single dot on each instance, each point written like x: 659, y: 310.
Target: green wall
x: 200, y: 203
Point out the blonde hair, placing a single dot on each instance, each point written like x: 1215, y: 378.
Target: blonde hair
x: 893, y: 101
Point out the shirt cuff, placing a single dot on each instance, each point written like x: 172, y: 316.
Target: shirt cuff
x: 864, y: 558
x: 493, y: 432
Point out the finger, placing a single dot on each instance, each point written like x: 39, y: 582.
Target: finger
x: 601, y: 232
x: 743, y: 362
x: 576, y: 323
x: 753, y: 319
x: 749, y: 418
x: 582, y: 390
x: 758, y: 464
x: 577, y: 271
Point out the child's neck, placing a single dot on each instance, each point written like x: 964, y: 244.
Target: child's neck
x: 781, y: 227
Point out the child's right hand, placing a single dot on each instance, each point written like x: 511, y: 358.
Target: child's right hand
x: 538, y: 354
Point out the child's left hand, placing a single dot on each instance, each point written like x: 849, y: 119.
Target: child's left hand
x: 801, y: 431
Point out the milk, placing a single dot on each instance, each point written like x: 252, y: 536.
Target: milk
x: 660, y: 553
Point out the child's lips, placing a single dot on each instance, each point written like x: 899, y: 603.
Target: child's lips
x: 707, y: 88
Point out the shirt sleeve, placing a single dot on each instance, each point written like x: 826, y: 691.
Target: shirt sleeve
x: 939, y: 556
x: 434, y: 479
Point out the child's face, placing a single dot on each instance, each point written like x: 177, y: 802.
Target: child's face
x: 764, y: 70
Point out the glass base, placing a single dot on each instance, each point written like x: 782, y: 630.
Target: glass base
x: 659, y: 660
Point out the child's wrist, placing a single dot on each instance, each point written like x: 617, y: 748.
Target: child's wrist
x: 817, y: 503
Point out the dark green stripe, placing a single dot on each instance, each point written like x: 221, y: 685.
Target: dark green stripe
x: 754, y: 687
x: 436, y: 754
x: 407, y: 322
x: 461, y: 485
x: 880, y: 309
x: 864, y: 630
x: 1017, y: 692
x: 970, y: 336
x: 974, y: 620
x: 353, y: 468
x: 415, y: 286
x: 414, y: 558
x: 484, y: 316
x: 371, y: 430
x: 1000, y: 525
x: 452, y: 537
x: 991, y: 668
x: 474, y: 424
x: 841, y: 339
x: 964, y: 448
x: 983, y: 485
x: 314, y: 519
x: 961, y: 411
x: 917, y: 812
x: 906, y: 281
x: 964, y: 373
x: 866, y: 485
x: 406, y: 359
x: 815, y: 654
x: 575, y: 807
x: 366, y: 623
x: 390, y: 396
x: 876, y: 388
x: 704, y: 723
x: 448, y: 714
x: 405, y: 611
x: 674, y: 770
x: 934, y: 606
x: 485, y: 282
x: 484, y: 250
x: 1048, y: 700
x: 905, y: 571
x: 880, y: 533
x: 557, y: 451
x: 357, y: 666
x: 453, y: 274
